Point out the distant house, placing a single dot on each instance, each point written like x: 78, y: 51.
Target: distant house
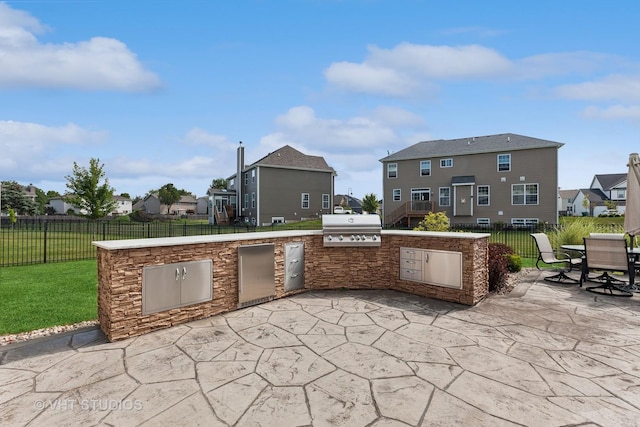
x: 61, y: 207
x: 565, y: 202
x: 123, y: 206
x: 354, y: 204
x: 152, y: 206
x: 506, y: 178
x: 284, y: 186
x: 202, y: 206
x: 604, y: 188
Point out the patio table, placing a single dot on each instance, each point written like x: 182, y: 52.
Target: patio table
x: 635, y: 252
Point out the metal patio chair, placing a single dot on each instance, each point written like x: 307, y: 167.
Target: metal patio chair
x: 608, y: 256
x: 547, y: 255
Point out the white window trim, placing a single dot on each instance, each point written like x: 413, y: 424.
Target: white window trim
x: 483, y: 221
x: 389, y: 167
x: 498, y: 162
x: 440, y: 197
x: 524, y: 185
x: 421, y: 168
x: 524, y: 222
x: 303, y: 200
x: 478, y: 196
x: 325, y: 201
x: 447, y: 160
x: 393, y: 194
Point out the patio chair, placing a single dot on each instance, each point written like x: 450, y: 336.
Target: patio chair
x: 608, y: 256
x: 547, y: 255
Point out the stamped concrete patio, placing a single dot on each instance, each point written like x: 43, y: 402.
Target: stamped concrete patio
x: 544, y: 355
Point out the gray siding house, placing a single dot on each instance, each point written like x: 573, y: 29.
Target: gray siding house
x: 284, y: 186
x: 505, y: 178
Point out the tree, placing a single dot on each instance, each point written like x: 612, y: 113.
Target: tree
x: 168, y: 195
x: 95, y: 200
x: 586, y: 203
x: 370, y: 203
x: 13, y: 197
x: 41, y: 201
x: 219, y: 183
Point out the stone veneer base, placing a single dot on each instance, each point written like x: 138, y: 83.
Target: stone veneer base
x: 120, y: 265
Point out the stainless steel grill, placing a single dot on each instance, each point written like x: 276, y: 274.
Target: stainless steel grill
x: 351, y: 230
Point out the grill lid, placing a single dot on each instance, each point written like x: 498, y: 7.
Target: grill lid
x: 351, y: 230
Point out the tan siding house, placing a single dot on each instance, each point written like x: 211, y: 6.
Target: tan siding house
x: 506, y: 178
x: 284, y: 186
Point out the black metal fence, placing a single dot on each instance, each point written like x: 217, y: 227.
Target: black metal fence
x: 42, y: 239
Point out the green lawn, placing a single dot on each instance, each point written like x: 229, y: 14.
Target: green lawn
x: 39, y: 296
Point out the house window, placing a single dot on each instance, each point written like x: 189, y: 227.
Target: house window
x: 425, y: 168
x: 504, y: 162
x: 524, y: 194
x: 246, y: 178
x: 253, y: 175
x: 396, y: 195
x: 305, y: 201
x: 420, y: 194
x: 620, y: 194
x: 524, y: 222
x: 246, y: 201
x: 325, y: 201
x: 253, y: 200
x: 483, y: 195
x: 483, y: 221
x: 232, y: 184
x: 446, y: 163
x: 445, y: 196
x: 392, y: 170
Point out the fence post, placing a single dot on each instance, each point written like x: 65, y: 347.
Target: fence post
x: 44, y: 252
x: 104, y: 231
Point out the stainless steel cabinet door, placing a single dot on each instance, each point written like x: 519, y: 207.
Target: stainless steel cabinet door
x: 197, y: 285
x: 443, y: 268
x: 160, y: 288
x: 256, y: 272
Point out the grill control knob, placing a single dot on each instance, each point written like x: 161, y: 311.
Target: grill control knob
x: 340, y: 237
x: 353, y: 237
x: 329, y: 237
x: 374, y: 237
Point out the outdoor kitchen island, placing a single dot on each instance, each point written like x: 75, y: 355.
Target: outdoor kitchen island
x: 132, y: 301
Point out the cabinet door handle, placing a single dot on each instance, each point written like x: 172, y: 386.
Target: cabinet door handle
x: 184, y: 272
x: 177, y: 274
x: 426, y: 257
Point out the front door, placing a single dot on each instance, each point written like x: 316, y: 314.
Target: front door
x: 463, y: 200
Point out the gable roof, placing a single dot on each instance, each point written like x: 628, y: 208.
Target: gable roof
x: 289, y: 157
x: 473, y: 145
x: 568, y: 194
x: 611, y: 180
x: 594, y: 194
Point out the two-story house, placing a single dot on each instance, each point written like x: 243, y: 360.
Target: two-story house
x: 284, y: 186
x: 506, y: 178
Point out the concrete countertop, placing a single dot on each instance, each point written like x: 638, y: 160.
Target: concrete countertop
x: 113, y: 245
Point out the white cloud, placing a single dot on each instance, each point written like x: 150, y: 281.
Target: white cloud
x: 408, y: 68
x: 617, y: 87
x: 27, y: 147
x: 614, y: 112
x: 100, y: 63
x: 414, y: 70
x: 352, y: 134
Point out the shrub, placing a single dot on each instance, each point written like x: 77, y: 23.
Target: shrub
x: 515, y: 263
x: 434, y: 221
x: 140, y: 216
x: 498, y: 265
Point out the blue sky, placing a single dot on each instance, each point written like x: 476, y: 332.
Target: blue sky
x: 162, y: 91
